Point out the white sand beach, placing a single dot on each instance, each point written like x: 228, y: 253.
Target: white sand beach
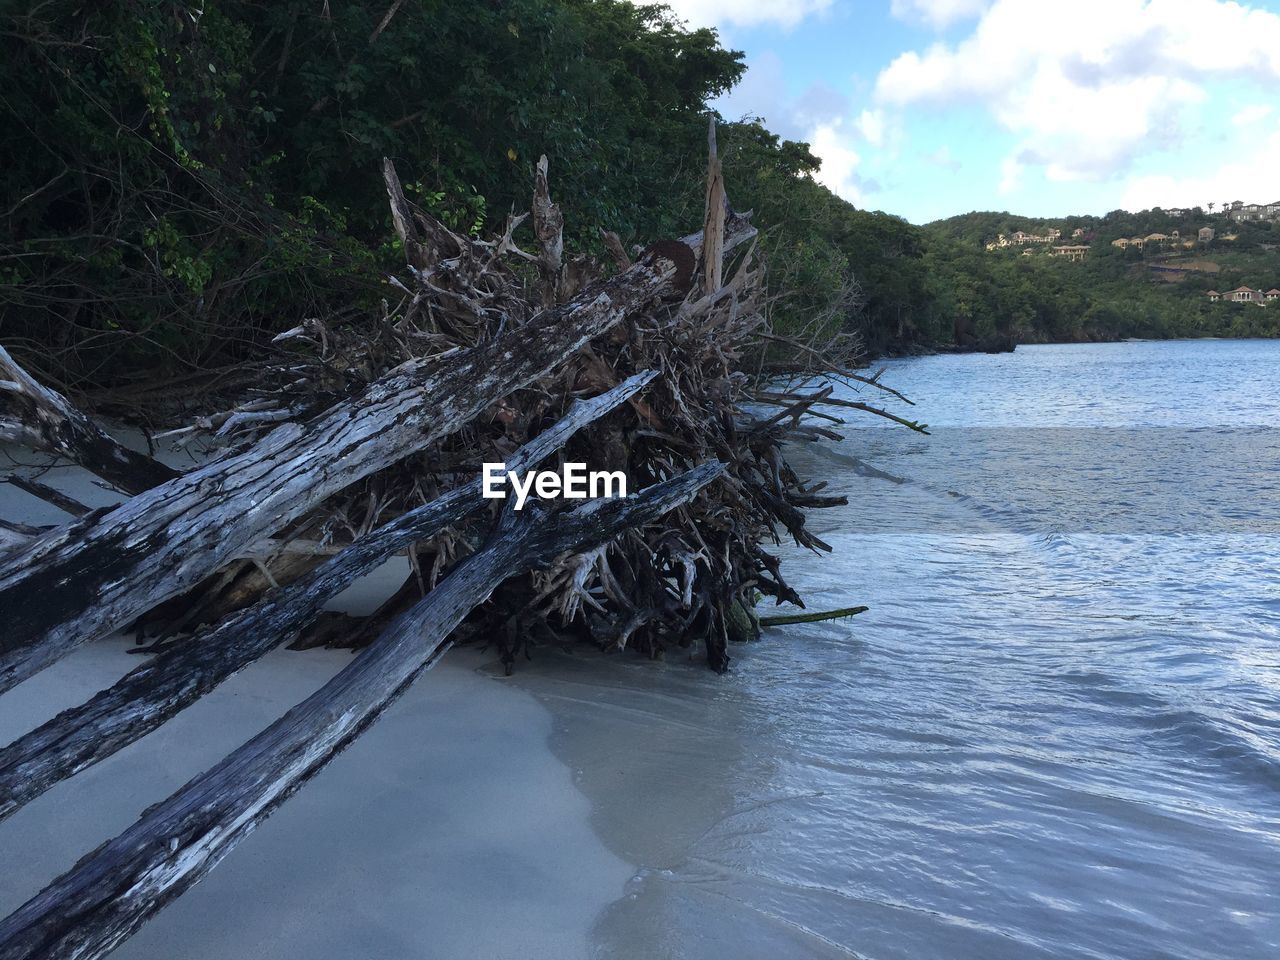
x: 449, y: 829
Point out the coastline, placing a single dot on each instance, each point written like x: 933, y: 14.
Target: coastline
x: 449, y: 829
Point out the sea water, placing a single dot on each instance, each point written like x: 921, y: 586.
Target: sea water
x: 1055, y: 733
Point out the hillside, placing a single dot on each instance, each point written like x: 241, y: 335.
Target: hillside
x: 1154, y: 290
x: 180, y: 189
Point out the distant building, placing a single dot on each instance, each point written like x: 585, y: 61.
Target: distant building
x: 1245, y: 295
x: 1214, y: 295
x: 1238, y: 211
x: 1121, y: 243
x: 1021, y: 238
x: 1272, y: 294
x: 1156, y: 237
x: 1205, y: 235
x: 1077, y: 233
x: 1073, y: 253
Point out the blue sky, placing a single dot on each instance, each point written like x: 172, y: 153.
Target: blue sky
x: 928, y: 108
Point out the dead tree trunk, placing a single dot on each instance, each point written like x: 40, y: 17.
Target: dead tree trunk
x: 713, y: 223
x: 548, y: 226
x: 112, y: 892
x: 97, y: 574
x: 146, y: 697
x: 44, y: 419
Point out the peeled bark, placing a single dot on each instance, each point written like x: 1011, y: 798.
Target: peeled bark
x: 107, y: 896
x: 96, y: 574
x: 146, y: 697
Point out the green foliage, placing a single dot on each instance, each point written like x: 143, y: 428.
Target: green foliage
x: 187, y: 178
x: 1113, y: 293
x: 182, y: 179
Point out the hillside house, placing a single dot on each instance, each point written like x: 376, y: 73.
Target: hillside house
x: 1021, y: 238
x: 1073, y: 252
x: 1214, y: 296
x: 1245, y: 295
x: 1205, y: 235
x: 1238, y: 210
x: 1272, y: 294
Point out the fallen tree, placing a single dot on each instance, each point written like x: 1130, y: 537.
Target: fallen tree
x: 38, y: 417
x: 164, y: 541
x: 360, y: 442
x: 149, y: 695
x: 109, y: 894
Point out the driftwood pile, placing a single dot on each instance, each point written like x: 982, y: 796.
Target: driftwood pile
x: 361, y: 444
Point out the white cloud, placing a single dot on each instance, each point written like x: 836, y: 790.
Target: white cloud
x: 1251, y: 115
x: 1250, y: 175
x: 746, y: 13
x: 1091, y: 85
x: 1010, y: 175
x: 830, y: 143
x: 937, y: 13
x: 870, y: 124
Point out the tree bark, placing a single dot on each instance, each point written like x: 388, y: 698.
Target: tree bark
x: 113, y: 891
x: 714, y: 218
x: 98, y: 573
x: 146, y: 697
x: 44, y: 419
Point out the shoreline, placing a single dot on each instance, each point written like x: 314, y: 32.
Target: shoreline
x: 449, y: 829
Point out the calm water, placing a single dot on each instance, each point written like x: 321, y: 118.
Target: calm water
x: 1055, y: 734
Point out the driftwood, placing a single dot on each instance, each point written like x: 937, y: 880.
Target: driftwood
x: 109, y: 894
x: 713, y: 227
x: 345, y: 445
x: 96, y: 574
x: 48, y: 494
x: 148, y: 696
x: 34, y: 415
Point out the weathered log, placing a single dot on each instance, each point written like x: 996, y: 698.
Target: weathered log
x: 44, y: 419
x: 713, y: 221
x: 146, y: 697
x: 96, y: 574
x: 548, y: 226
x: 48, y: 494
x: 110, y: 893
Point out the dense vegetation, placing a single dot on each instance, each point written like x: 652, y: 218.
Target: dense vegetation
x: 1116, y: 292
x: 180, y: 180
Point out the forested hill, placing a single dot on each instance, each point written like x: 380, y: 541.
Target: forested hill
x: 1155, y: 289
x: 182, y: 180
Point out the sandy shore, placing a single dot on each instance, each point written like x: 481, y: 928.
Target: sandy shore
x: 448, y: 830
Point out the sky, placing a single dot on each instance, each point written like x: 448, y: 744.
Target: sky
x: 929, y: 108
